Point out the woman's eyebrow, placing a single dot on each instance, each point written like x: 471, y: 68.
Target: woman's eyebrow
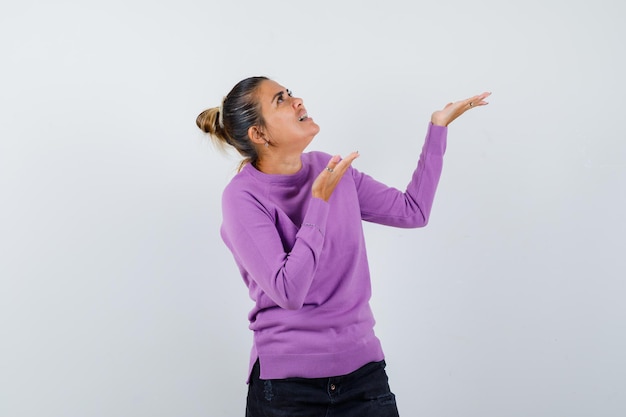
x: 279, y: 94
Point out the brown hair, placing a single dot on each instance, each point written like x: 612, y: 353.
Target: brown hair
x: 229, y: 123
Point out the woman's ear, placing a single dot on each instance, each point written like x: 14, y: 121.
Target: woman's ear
x: 256, y: 135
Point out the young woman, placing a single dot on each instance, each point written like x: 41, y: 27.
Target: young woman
x: 292, y: 221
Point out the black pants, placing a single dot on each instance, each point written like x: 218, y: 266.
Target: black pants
x: 362, y: 393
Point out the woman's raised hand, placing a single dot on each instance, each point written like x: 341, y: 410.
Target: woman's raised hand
x: 327, y: 180
x: 451, y: 111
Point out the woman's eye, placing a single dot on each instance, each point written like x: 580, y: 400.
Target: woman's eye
x: 281, y: 97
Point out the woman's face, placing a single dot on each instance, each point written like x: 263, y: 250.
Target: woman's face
x: 287, y: 124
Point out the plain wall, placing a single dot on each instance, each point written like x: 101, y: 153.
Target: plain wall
x: 117, y: 296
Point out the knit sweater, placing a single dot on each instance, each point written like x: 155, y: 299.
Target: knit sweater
x: 304, y: 260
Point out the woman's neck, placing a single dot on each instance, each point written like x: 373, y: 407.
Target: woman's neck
x: 279, y: 165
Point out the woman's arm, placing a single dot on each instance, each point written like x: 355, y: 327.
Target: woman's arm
x: 252, y: 235
x: 388, y: 205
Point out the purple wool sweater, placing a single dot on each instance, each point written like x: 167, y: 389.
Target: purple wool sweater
x: 304, y: 259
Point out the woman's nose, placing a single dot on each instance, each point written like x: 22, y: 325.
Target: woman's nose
x: 297, y: 102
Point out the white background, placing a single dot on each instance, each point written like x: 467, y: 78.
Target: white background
x: 117, y: 296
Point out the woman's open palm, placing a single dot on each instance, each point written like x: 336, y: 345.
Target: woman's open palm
x: 451, y: 111
x: 327, y: 180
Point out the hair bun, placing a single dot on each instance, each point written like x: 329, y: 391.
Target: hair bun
x: 207, y: 120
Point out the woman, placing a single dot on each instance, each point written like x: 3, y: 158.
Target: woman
x: 292, y: 221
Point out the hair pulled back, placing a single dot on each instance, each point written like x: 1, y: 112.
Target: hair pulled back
x: 229, y: 123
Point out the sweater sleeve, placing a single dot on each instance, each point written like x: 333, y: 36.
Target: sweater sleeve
x: 250, y: 232
x: 389, y: 206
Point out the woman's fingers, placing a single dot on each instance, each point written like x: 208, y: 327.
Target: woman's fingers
x: 453, y: 110
x: 332, y: 164
x: 344, y: 163
x: 477, y: 100
x: 338, y: 165
x: 327, y: 180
